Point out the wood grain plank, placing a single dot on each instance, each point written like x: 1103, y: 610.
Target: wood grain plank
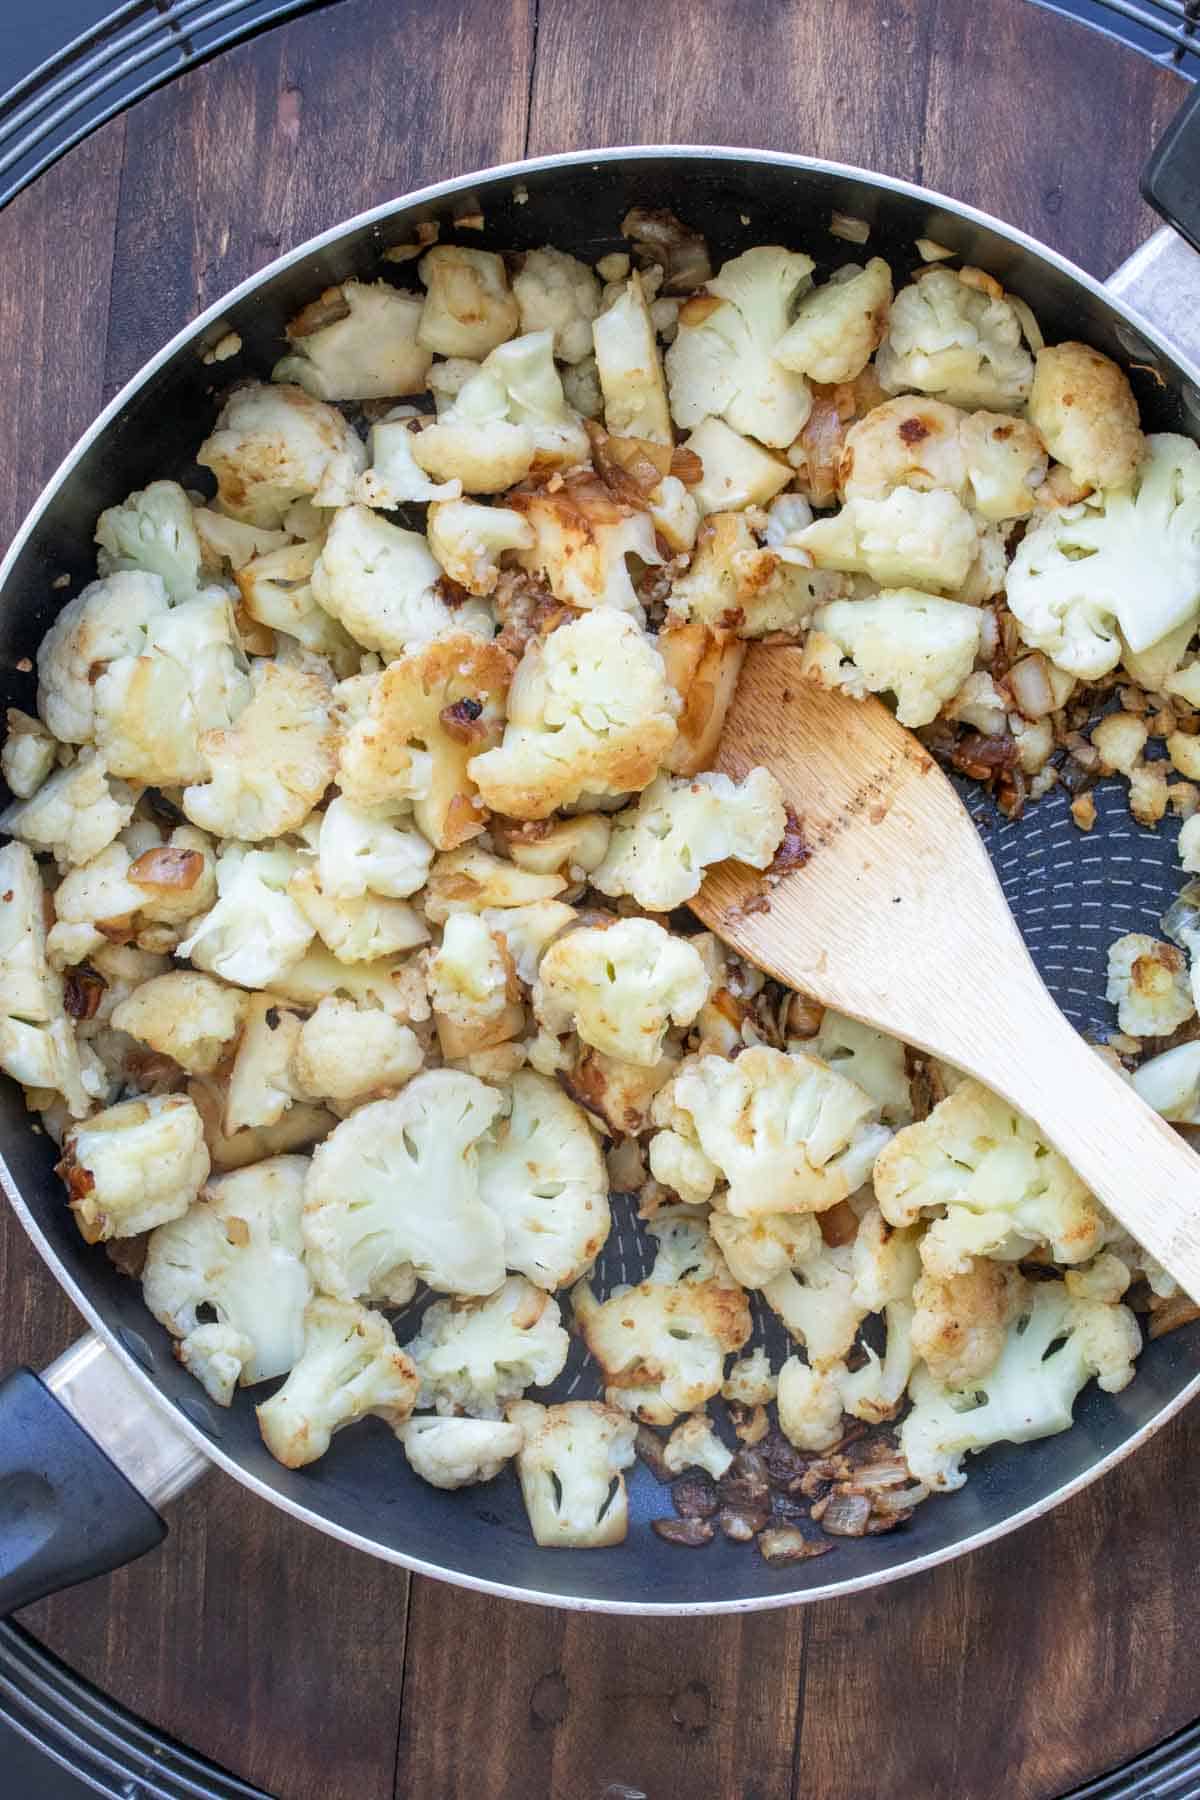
x: 574, y: 1705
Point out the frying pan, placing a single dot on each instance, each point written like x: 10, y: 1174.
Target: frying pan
x: 96, y: 1445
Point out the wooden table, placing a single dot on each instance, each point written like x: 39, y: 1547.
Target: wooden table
x: 311, y: 1670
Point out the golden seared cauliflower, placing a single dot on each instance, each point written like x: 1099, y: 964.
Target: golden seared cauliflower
x: 1083, y: 406
x: 472, y: 988
x: 27, y: 755
x: 237, y: 1253
x: 37, y: 1045
x: 455, y: 1453
x: 629, y: 370
x: 1148, y: 984
x: 990, y: 461
x: 695, y: 1445
x: 702, y: 666
x: 256, y: 930
x: 661, y: 847
x: 960, y: 1321
x: 350, y: 1368
x: 723, y: 359
x: 472, y: 880
x: 581, y: 538
x: 541, y: 1173
x: 734, y: 584
x: 994, y: 1183
x: 1122, y: 567
x: 912, y: 538
x: 473, y: 1356
x: 360, y: 930
x: 589, y: 711
x: 277, y: 592
x: 662, y: 1346
x: 74, y: 814
x: 620, y: 987
x: 381, y: 582
x: 393, y: 1195
x: 468, y: 539
x: 134, y: 1166
x: 569, y: 1466
x: 1006, y: 464
x: 556, y: 292
x: 428, y: 715
x: 272, y: 445
x: 469, y: 308
x: 153, y: 530
x: 184, y: 1015
x: 958, y: 341
x: 916, y: 646
x: 269, y: 770
x: 756, y: 1250
x: 509, y: 417
x: 836, y: 328
x: 357, y: 341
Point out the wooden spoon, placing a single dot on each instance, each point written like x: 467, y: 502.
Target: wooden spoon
x: 897, y: 918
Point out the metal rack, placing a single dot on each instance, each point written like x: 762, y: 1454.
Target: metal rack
x: 1168, y: 31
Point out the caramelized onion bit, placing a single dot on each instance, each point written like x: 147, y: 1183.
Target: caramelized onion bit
x: 695, y: 1496
x: 783, y: 1544
x: 658, y: 236
x: 690, y: 1533
x: 463, y: 721
x: 1170, y: 1314
x: 843, y: 1515
x: 651, y: 1448
x: 328, y: 308
x: 83, y: 988
x: 167, y: 866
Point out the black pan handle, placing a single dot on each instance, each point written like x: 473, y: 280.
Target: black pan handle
x: 1171, y: 179
x: 86, y: 1458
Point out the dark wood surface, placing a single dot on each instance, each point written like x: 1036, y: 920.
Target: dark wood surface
x: 320, y: 1674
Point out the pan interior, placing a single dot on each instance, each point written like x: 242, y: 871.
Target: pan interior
x: 1071, y: 893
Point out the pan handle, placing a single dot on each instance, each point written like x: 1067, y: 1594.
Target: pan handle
x: 1161, y: 280
x: 86, y: 1459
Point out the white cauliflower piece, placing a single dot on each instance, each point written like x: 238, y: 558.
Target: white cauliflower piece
x: 661, y: 848
x: 107, y: 623
x: 262, y: 1084
x: 255, y: 931
x: 580, y: 538
x: 350, y: 1368
x: 393, y: 983
x: 1082, y: 405
x: 736, y: 471
x: 911, y: 442
x: 357, y: 341
x: 759, y: 1249
x: 37, y: 1044
x: 620, y: 987
x: 1148, y: 984
x: 541, y: 1173
x: 426, y: 717
x: 682, y: 1166
x: 393, y: 1195
x: 1005, y: 464
x: 380, y: 582
x: 836, y: 329
x: 469, y: 308
x: 28, y: 754
x: 272, y: 445
x: 961, y: 1321
x: 238, y: 1251
x: 362, y: 852
x: 1049, y: 1353
x: 277, y: 591
x: 472, y: 988
x: 394, y: 477
x: 589, y: 711
x: 184, y: 1015
x: 346, y: 1053
x: 570, y: 1472
x: 818, y: 1302
x: 508, y: 418
x: 736, y: 585
x: 998, y: 1187
x: 1128, y: 557
x: 472, y: 880
x: 473, y: 1356
x: 869, y: 1057
x: 556, y: 292
x: 230, y: 541
x: 570, y: 847
x: 695, y: 1445
x: 455, y: 1453
x: 914, y: 645
x: 360, y: 930
x: 723, y: 358
x: 267, y: 773
x: 75, y: 814
x: 629, y: 370
x: 153, y: 530
x: 675, y: 512
x: 662, y: 1347
x: 468, y: 539
x: 685, y: 1248
x: 528, y: 931
x: 134, y: 1166
x: 911, y: 538
x: 810, y: 1406
x: 960, y: 342
x: 786, y: 1131
x: 215, y: 1355
x: 1170, y: 1083
x: 750, y: 1381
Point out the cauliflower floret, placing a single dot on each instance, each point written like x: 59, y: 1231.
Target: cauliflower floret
x: 134, y: 1166
x: 661, y: 847
x: 869, y: 1057
x: 960, y: 1321
x: 663, y: 1347
x: 362, y: 852
x: 750, y: 1381
x: 268, y: 772
x: 960, y: 342
x: 1127, y: 558
x: 1148, y: 984
x: 273, y: 445
x: 350, y: 1367
x: 695, y: 1445
x: 468, y: 539
x: 427, y: 715
x: 914, y: 645
x: 734, y: 585
x: 1170, y: 1083
x: 911, y: 442
x: 736, y: 471
x: 612, y: 1089
x: 255, y: 931
x: 393, y: 983
x: 589, y: 711
x: 239, y: 1252
x: 569, y: 847
x: 528, y: 931
x: 394, y: 478
x: 723, y: 358
x: 558, y: 293
x: 28, y: 754
x: 472, y: 988
x: 360, y: 930
x: 468, y: 306
x: 277, y: 591
x: 680, y: 1164
x: 37, y: 1045
x: 474, y: 1356
x: 1001, y: 1187
x: 629, y: 370
x: 472, y: 880
x: 393, y: 1195
x: 262, y: 1084
x: 229, y: 541
x: 1083, y: 406
x: 455, y: 1453
x: 356, y: 342
x: 75, y: 814
x: 1056, y: 1343
x: 347, y: 1053
x: 759, y: 1249
x: 620, y: 987
x: 381, y: 582
x: 1005, y: 462
x: 107, y: 623
x: 508, y: 418
x: 922, y: 539
x: 216, y: 1355
x: 685, y: 1248
x: 818, y: 1302
x: 153, y: 530
x: 542, y: 1174
x: 570, y: 1471
x: 579, y: 540
x: 810, y: 1406
x: 186, y: 1016
x: 836, y: 328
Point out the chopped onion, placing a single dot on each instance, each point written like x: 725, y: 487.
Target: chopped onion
x: 931, y: 252
x: 1029, y: 325
x: 845, y: 225
x: 1029, y: 679
x: 784, y: 1544
x: 846, y: 1515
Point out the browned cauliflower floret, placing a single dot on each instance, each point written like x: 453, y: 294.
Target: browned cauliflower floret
x: 629, y: 370
x: 273, y: 445
x: 351, y: 1367
x: 468, y: 538
x: 836, y: 328
x: 662, y: 1346
x: 134, y: 1166
x: 570, y: 1466
x: 948, y: 336
x: 469, y: 308
x: 736, y: 585
x: 277, y: 591
x: 473, y: 988
x: 1148, y: 984
x: 581, y: 538
x: 960, y: 1321
x: 471, y: 880
x: 185, y: 1015
x: 268, y: 771
x: 1083, y: 406
x: 359, y: 930
x: 356, y: 342
x: 702, y: 666
x: 621, y: 987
